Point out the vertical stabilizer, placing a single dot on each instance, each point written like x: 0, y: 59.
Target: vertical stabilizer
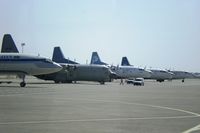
x: 125, y: 62
x: 59, y: 57
x: 8, y: 45
x: 96, y: 59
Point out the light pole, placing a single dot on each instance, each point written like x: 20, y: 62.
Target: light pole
x: 23, y: 44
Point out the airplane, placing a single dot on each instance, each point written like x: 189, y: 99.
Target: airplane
x: 122, y: 71
x: 21, y: 65
x: 77, y: 72
x: 68, y: 73
x: 158, y: 75
x: 13, y: 63
x: 182, y: 75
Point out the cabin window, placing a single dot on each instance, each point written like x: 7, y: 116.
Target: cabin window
x: 16, y: 57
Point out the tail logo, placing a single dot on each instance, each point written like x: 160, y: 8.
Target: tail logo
x: 95, y: 59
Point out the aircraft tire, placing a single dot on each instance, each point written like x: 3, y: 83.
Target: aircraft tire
x: 56, y: 81
x: 160, y: 80
x: 22, y: 84
x: 102, y: 82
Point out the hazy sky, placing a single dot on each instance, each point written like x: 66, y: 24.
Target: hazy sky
x: 152, y: 33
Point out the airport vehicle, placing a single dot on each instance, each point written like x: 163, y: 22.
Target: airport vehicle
x: 122, y: 71
x: 77, y: 72
x: 21, y: 65
x: 137, y: 81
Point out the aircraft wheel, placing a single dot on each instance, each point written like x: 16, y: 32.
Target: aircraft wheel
x: 102, y: 82
x: 22, y: 84
x: 56, y: 81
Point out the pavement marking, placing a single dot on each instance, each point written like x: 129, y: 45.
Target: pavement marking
x: 147, y: 105
x: 93, y: 120
x: 140, y: 104
x: 196, y: 128
x: 191, y: 114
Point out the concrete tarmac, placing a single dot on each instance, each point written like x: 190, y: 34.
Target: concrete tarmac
x: 88, y: 107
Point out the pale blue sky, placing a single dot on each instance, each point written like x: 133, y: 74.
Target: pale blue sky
x: 152, y: 33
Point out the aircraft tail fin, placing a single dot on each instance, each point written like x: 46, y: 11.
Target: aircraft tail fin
x: 96, y: 59
x: 8, y: 45
x: 59, y: 57
x: 125, y: 62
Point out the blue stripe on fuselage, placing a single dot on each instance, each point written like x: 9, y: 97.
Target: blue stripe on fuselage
x: 1, y: 60
x: 12, y: 72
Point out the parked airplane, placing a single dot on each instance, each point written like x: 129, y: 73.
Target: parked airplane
x: 161, y: 75
x: 123, y: 71
x: 158, y: 75
x: 21, y: 65
x: 71, y: 71
x: 13, y: 63
x: 182, y: 75
x: 77, y: 72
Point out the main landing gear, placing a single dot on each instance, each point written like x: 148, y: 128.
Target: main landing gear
x: 102, y: 82
x: 23, y: 83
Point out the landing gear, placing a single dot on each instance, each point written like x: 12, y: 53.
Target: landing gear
x: 56, y: 81
x: 102, y: 82
x: 23, y: 83
x: 160, y: 80
x: 62, y: 81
